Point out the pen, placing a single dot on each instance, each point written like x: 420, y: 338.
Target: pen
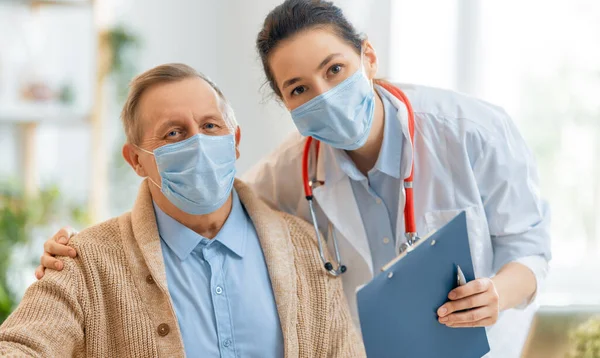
x: 460, y: 277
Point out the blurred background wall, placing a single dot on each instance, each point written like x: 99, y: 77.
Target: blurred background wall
x: 64, y: 66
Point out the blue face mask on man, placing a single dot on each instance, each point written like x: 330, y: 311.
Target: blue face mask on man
x: 197, y: 174
x: 341, y: 117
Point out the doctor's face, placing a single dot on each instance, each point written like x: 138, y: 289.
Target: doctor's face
x: 314, y: 61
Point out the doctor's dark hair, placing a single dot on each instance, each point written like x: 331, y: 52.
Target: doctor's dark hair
x: 295, y: 16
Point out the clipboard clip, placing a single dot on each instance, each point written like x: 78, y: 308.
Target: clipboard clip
x: 411, y: 239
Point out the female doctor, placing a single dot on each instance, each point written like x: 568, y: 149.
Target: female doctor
x: 375, y: 146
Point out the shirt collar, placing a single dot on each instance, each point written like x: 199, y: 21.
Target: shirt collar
x: 233, y: 233
x: 182, y: 240
x: 388, y: 161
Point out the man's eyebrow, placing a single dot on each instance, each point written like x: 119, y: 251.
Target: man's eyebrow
x: 169, y: 123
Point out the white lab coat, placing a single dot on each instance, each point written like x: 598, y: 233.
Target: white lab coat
x: 468, y: 156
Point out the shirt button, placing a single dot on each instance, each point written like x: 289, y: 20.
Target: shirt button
x: 219, y: 290
x: 378, y: 201
x: 227, y: 343
x: 149, y: 280
x: 386, y: 240
x: 163, y: 329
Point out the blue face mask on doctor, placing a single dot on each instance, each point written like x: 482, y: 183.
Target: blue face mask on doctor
x: 341, y: 117
x: 197, y: 174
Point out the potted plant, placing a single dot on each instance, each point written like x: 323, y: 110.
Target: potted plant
x: 585, y: 340
x: 19, y: 216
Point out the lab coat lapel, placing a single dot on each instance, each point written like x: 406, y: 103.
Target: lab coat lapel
x: 337, y: 201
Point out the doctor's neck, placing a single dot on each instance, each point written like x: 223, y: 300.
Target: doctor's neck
x: 366, y: 156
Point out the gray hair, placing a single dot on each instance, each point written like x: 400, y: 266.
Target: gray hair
x: 167, y: 73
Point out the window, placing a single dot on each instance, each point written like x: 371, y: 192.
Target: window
x: 541, y: 62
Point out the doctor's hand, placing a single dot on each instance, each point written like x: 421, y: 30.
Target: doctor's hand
x: 475, y: 304
x: 56, y: 246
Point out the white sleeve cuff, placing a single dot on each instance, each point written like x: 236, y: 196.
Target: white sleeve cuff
x: 539, y: 266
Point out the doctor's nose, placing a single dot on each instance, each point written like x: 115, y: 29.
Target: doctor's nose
x: 317, y: 88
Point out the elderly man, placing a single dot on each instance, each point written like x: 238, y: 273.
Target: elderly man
x: 200, y: 266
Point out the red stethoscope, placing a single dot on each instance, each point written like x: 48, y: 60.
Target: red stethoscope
x: 409, y: 208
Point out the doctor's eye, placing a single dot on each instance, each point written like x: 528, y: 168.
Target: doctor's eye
x: 298, y: 90
x: 335, y: 69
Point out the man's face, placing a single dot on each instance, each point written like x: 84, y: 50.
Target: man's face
x: 172, y: 112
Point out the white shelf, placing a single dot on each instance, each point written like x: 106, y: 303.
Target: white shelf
x: 42, y: 113
x: 67, y: 3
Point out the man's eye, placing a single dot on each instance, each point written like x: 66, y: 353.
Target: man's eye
x: 172, y: 133
x: 210, y: 126
x: 298, y: 90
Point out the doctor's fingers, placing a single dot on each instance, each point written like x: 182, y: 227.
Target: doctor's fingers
x: 482, y: 323
x: 53, y: 248
x: 39, y: 272
x: 49, y: 261
x: 63, y: 235
x: 471, y: 316
x: 472, y: 288
x: 478, y: 300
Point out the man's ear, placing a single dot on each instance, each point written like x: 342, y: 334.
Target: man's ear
x: 132, y: 157
x: 238, y: 136
x: 370, y: 60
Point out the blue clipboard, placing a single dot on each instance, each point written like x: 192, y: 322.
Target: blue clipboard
x: 398, y: 308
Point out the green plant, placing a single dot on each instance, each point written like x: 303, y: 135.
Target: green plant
x: 124, y: 46
x: 19, y: 215
x: 122, y: 43
x: 585, y: 340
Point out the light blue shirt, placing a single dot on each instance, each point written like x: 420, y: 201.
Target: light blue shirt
x: 378, y: 193
x: 221, y: 288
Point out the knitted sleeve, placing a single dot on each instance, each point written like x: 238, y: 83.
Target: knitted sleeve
x: 49, y: 321
x: 328, y: 328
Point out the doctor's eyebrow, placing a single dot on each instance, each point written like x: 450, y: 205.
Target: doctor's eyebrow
x: 321, y: 65
x: 327, y: 60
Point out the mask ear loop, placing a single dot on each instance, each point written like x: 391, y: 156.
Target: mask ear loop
x: 153, y: 182
x: 152, y: 154
x: 362, y: 62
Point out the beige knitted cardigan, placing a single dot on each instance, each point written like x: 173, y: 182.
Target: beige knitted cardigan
x: 112, y: 299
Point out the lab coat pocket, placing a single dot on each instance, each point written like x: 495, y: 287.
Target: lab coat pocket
x: 479, y: 238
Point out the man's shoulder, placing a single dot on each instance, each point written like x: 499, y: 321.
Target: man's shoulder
x: 256, y: 204
x: 299, y: 225
x: 103, y: 236
x: 304, y: 239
